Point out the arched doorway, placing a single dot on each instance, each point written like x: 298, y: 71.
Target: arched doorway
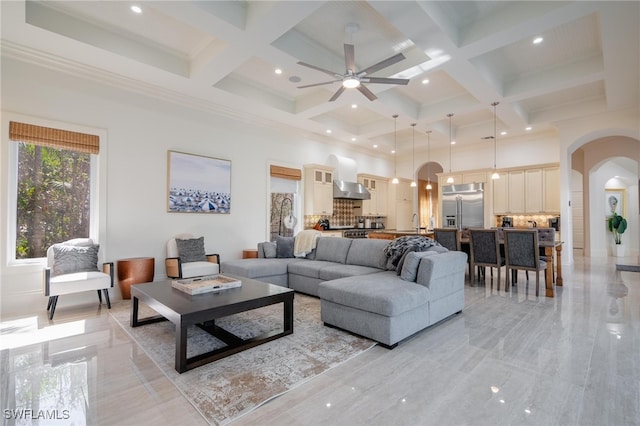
x: 428, y: 202
x: 605, y: 164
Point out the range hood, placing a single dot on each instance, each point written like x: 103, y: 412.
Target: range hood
x: 350, y: 190
x: 345, y: 177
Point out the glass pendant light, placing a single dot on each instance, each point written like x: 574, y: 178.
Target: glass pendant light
x: 395, y: 149
x: 450, y: 178
x: 495, y: 174
x: 429, y: 187
x: 413, y: 155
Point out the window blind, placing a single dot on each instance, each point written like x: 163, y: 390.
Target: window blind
x: 55, y: 138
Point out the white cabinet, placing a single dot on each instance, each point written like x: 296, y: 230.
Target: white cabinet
x: 378, y: 188
x: 318, y: 190
x: 533, y: 186
x: 501, y: 195
x: 516, y: 191
x: 400, y: 206
x: 551, y: 189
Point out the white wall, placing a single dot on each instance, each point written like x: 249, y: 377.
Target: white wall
x: 139, y: 131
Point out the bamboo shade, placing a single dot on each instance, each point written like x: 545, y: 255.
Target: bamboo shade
x: 286, y: 173
x: 56, y: 138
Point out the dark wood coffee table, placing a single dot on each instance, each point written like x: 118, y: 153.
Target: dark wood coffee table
x: 184, y: 310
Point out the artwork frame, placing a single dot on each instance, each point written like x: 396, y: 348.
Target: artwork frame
x: 198, y: 184
x: 619, y: 206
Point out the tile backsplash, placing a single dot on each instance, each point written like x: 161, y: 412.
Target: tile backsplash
x: 345, y: 213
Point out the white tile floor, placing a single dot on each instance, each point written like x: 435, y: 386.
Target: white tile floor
x: 507, y: 359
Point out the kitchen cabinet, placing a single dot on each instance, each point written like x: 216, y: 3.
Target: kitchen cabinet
x: 551, y: 189
x: 474, y: 177
x: 442, y: 179
x: 378, y: 188
x: 533, y: 185
x: 318, y: 190
x: 400, y: 197
x: 533, y: 190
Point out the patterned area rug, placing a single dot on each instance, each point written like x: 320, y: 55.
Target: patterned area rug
x: 231, y: 387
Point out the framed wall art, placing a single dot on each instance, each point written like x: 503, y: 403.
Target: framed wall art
x: 615, y: 201
x: 198, y: 184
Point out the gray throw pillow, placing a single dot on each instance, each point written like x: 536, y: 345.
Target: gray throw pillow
x: 270, y: 250
x: 284, y: 246
x: 70, y: 259
x: 411, y: 263
x: 191, y: 250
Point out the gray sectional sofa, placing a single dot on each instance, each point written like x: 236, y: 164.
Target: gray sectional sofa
x: 360, y: 291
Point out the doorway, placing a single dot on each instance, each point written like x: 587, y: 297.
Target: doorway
x: 428, y: 202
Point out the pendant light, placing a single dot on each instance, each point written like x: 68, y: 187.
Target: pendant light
x: 429, y: 187
x: 450, y: 178
x: 413, y: 155
x: 495, y: 174
x: 395, y: 149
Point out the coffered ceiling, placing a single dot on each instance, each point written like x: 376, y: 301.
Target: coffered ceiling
x: 222, y: 56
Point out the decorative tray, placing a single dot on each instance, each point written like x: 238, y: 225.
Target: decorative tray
x: 205, y: 284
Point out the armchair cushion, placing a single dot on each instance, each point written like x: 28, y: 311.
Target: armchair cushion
x: 70, y: 259
x: 191, y: 250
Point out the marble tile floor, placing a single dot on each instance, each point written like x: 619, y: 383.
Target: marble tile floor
x: 509, y: 358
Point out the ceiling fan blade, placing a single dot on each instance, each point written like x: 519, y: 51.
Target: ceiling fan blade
x: 382, y: 64
x: 338, y: 93
x: 350, y: 58
x: 368, y: 93
x: 331, y: 73
x: 317, y: 84
x: 382, y: 80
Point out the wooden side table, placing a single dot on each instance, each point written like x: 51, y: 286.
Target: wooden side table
x: 250, y: 254
x: 134, y: 270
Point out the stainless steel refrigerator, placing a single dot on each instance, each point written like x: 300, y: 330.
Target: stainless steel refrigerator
x: 463, y: 206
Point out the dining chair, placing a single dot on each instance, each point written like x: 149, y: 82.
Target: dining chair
x: 521, y: 253
x: 485, y: 251
x: 546, y: 234
x: 448, y: 238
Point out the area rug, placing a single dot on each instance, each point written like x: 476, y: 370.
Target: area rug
x: 231, y: 387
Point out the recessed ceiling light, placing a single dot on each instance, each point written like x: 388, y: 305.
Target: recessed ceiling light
x: 329, y: 131
x: 453, y: 142
x: 354, y: 106
x: 527, y: 128
x: 353, y: 139
x: 393, y: 151
x: 278, y: 71
x: 136, y: 9
x: 375, y: 146
x: 503, y: 133
x: 295, y: 79
x: 425, y: 81
x: 538, y: 40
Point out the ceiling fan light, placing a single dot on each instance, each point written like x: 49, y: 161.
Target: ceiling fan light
x: 350, y: 83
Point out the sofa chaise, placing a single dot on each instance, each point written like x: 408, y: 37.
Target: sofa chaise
x: 360, y: 291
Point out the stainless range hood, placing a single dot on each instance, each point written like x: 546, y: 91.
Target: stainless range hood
x: 350, y: 190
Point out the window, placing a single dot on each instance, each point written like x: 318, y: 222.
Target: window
x: 284, y: 209
x: 54, y: 186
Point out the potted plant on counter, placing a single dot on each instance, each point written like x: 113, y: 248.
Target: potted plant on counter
x: 617, y: 226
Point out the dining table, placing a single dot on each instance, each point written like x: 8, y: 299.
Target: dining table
x: 553, y: 253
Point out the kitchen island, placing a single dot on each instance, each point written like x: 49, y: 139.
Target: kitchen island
x: 392, y: 234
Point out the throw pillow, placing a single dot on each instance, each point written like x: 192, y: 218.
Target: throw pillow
x: 69, y: 259
x: 403, y: 258
x: 191, y: 250
x: 411, y: 263
x: 270, y: 250
x: 284, y: 246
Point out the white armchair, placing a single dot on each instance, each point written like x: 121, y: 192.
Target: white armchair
x: 186, y: 258
x: 72, y: 267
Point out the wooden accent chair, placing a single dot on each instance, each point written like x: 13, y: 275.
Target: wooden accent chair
x: 186, y: 258
x: 485, y: 251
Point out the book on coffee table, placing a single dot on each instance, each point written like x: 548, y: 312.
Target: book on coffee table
x: 205, y: 284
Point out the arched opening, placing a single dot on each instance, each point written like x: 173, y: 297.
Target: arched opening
x: 428, y: 198
x: 602, y: 167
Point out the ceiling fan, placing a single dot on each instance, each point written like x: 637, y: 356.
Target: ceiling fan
x: 352, y: 79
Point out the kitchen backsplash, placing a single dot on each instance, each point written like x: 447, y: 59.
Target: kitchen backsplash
x: 345, y: 213
x: 522, y: 221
